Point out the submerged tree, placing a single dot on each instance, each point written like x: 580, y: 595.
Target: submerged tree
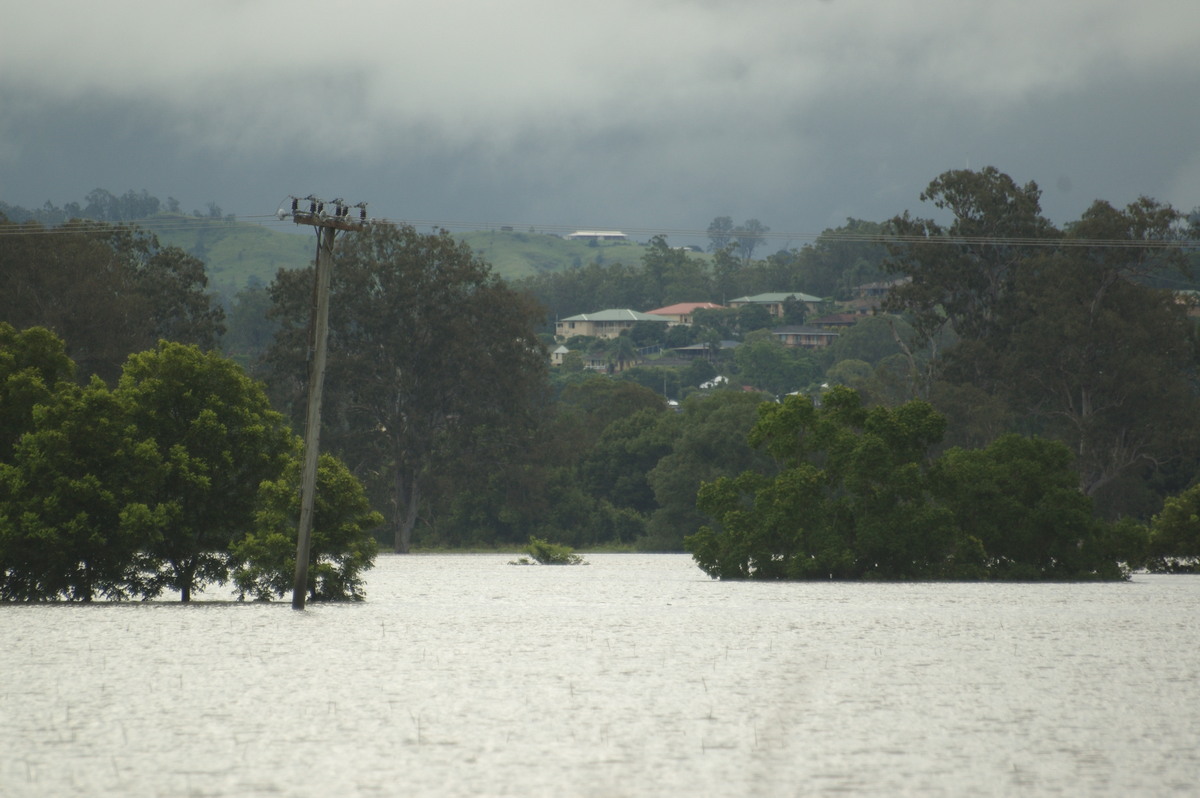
x: 860, y: 496
x: 341, y: 546
x: 218, y: 438
x: 76, y: 518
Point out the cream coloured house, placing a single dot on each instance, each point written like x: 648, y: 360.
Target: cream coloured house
x: 603, y: 324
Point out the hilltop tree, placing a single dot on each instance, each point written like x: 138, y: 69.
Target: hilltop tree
x: 720, y: 233
x: 750, y: 235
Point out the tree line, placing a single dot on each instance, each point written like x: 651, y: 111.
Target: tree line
x: 179, y: 477
x: 440, y: 401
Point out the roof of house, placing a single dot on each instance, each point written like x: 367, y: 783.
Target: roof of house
x: 596, y: 234
x: 802, y: 329
x: 775, y: 297
x: 615, y: 314
x: 685, y: 307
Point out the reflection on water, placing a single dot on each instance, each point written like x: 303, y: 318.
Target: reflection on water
x: 633, y: 676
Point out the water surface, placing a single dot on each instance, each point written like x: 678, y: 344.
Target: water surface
x: 633, y: 676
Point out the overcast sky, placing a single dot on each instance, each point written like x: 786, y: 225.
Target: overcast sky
x: 655, y: 115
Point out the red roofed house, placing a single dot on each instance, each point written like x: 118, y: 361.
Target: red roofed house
x: 682, y: 312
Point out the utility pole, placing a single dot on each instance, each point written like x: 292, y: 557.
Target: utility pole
x: 318, y: 334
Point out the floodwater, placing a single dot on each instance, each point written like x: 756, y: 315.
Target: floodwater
x: 632, y: 676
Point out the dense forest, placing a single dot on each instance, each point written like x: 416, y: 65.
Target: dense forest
x: 1009, y: 358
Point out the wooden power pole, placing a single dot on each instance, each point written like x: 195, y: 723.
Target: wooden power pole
x: 327, y: 226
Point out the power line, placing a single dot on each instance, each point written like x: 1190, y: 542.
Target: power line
x: 275, y: 222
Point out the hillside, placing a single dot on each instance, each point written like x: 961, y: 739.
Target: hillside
x: 514, y: 255
x: 234, y: 252
x: 237, y: 253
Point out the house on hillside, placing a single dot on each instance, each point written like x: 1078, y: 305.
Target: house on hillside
x: 773, y: 302
x: 804, y: 336
x: 604, y: 324
x: 695, y: 351
x: 683, y: 312
x: 597, y: 235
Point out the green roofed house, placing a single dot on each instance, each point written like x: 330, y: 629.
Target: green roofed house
x: 603, y: 324
x: 774, y: 302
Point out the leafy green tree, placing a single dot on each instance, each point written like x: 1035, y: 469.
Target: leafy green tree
x: 1059, y: 330
x: 33, y: 363
x: 711, y: 442
x: 1020, y: 499
x: 852, y: 499
x: 860, y: 496
x: 1088, y: 341
x: 672, y: 275
x: 768, y: 365
x: 250, y: 328
x: 871, y: 339
x: 616, y: 467
x: 841, y: 259
x: 856, y: 374
x: 1175, y: 533
x: 962, y: 275
x: 427, y: 348
x: 754, y: 317
x: 218, y: 439
x: 75, y: 522
x: 341, y: 548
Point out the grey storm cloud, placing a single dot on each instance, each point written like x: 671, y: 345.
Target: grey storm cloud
x: 641, y: 114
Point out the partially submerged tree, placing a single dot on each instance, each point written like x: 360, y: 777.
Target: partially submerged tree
x: 341, y: 547
x: 218, y: 438
x: 860, y: 496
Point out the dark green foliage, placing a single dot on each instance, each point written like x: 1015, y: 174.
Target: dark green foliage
x: 859, y: 496
x: 1053, y: 332
x: 218, y: 438
x: 33, y: 363
x: 341, y: 548
x: 1174, y: 544
x: 77, y: 516
x: 766, y: 364
x: 548, y: 553
x: 122, y: 493
x: 431, y: 359
x: 107, y: 291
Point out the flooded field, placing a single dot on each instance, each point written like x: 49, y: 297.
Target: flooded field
x: 632, y: 676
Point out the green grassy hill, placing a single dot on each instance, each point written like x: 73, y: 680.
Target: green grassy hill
x: 234, y: 252
x: 515, y: 255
